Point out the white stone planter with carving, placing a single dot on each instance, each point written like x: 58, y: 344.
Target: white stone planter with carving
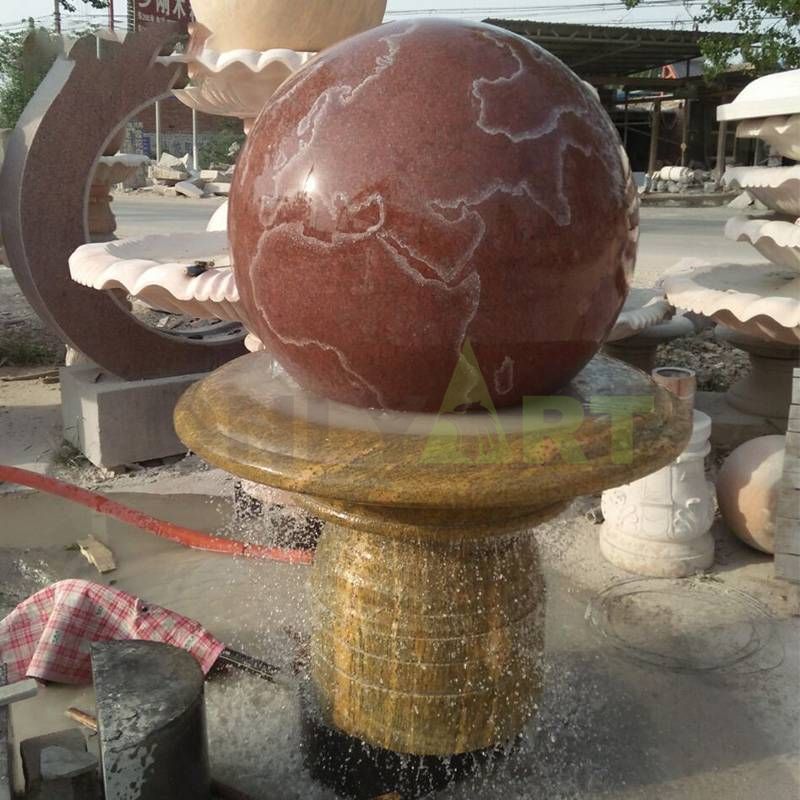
x: 296, y: 24
x: 660, y: 525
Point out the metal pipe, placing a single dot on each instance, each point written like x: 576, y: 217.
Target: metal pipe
x: 655, y: 130
x: 722, y: 140
x: 158, y: 130
x: 625, y: 123
x: 687, y: 110
x: 195, y: 150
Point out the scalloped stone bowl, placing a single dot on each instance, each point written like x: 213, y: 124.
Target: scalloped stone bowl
x: 235, y: 83
x: 760, y: 300
x: 776, y: 240
x: 154, y: 270
x: 778, y: 188
x: 643, y: 309
x: 295, y: 24
x: 781, y: 132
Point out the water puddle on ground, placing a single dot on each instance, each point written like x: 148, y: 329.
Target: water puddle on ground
x: 621, y: 714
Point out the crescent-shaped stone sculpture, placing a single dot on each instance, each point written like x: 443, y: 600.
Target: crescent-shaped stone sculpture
x: 44, y: 188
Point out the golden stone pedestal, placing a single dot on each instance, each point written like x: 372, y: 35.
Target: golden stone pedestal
x: 428, y: 599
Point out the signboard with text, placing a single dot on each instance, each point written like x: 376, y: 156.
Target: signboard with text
x: 146, y: 12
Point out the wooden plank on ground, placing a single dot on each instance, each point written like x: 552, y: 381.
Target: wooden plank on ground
x: 15, y: 692
x: 97, y: 554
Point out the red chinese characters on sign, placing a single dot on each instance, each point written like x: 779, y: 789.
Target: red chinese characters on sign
x: 149, y: 11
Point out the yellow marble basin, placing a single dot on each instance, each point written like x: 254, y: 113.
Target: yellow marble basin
x: 426, y: 591
x: 250, y: 418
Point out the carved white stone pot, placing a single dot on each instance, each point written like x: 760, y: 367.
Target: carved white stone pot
x: 660, y: 525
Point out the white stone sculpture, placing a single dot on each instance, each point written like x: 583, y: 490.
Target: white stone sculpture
x: 748, y: 488
x: 296, y: 24
x: 769, y: 96
x: 643, y: 308
x: 110, y: 170
x: 756, y: 299
x: 660, y: 525
x: 155, y: 269
x: 780, y: 133
x: 645, y: 322
x: 778, y: 188
x: 776, y: 239
x: 758, y: 304
x: 236, y: 83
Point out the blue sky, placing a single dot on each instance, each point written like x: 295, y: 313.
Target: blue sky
x: 659, y: 13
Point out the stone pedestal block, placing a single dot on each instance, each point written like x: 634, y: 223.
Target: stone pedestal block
x: 152, y: 724
x: 58, y: 767
x: 115, y: 422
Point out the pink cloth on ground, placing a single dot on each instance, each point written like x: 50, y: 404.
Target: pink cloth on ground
x: 49, y: 635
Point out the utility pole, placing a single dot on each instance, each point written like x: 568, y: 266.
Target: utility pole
x: 57, y: 14
x: 111, y: 15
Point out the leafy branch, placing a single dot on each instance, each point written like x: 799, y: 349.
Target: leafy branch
x: 768, y: 34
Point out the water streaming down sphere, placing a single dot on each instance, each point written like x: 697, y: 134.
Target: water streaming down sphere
x: 427, y: 187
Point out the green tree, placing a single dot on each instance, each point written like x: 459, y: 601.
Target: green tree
x: 769, y: 34
x: 67, y: 6
x: 218, y: 150
x: 25, y: 58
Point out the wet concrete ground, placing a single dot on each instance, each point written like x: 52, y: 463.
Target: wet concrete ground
x: 654, y: 689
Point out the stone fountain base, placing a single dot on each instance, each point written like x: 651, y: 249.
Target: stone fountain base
x: 373, y: 771
x: 427, y: 598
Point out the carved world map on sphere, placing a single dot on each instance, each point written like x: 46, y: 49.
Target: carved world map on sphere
x: 426, y: 191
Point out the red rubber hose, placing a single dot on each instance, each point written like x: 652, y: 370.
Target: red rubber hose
x: 166, y: 530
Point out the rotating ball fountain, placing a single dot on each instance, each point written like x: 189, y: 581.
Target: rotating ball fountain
x: 409, y: 213
x: 433, y: 229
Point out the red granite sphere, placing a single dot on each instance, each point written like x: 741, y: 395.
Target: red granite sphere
x: 431, y: 205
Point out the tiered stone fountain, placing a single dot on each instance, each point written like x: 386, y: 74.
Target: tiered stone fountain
x: 757, y: 306
x: 423, y: 387
x: 112, y: 168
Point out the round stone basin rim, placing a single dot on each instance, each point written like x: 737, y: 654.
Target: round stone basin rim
x: 252, y: 420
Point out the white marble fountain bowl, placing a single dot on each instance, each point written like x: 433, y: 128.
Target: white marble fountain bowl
x: 778, y: 240
x: 236, y: 83
x: 154, y: 270
x: 778, y: 188
x: 781, y: 133
x: 761, y: 300
x: 769, y: 96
